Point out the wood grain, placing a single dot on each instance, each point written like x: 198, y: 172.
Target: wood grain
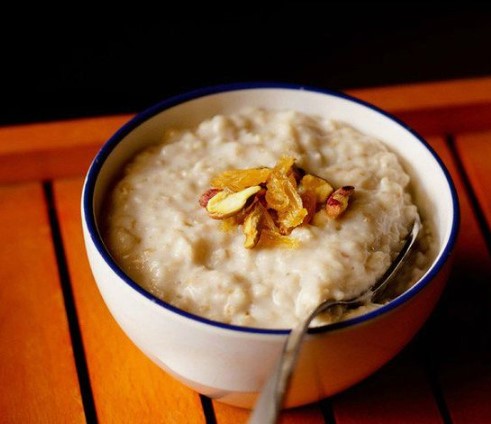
x: 44, y: 151
x: 37, y: 370
x: 429, y: 95
x: 436, y: 108
x: 127, y: 387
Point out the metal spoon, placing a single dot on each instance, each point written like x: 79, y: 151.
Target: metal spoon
x: 269, y: 403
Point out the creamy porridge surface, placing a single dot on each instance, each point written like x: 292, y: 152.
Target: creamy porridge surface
x: 161, y: 237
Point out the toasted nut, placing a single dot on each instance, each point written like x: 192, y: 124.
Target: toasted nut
x: 252, y: 226
x: 318, y: 185
x: 207, y: 195
x: 225, y: 203
x: 251, y: 203
x: 337, y: 202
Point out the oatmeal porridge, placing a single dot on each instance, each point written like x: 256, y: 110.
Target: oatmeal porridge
x: 161, y: 232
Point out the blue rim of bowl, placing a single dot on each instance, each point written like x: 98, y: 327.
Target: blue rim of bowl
x: 106, y: 149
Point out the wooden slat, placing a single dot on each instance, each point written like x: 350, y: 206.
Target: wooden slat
x: 399, y: 393
x: 475, y: 152
x: 463, y: 342
x: 311, y: 414
x: 437, y: 107
x: 50, y: 150
x: 55, y: 136
x: 37, y: 370
x: 127, y: 387
x: 429, y: 95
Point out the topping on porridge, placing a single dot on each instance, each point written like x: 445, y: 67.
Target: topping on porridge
x: 275, y: 200
x: 225, y: 203
x: 337, y: 202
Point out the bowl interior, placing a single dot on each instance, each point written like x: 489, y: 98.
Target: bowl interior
x: 432, y: 187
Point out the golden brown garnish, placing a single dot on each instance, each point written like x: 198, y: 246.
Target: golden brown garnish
x: 337, y: 202
x: 239, y: 179
x: 283, y: 197
x: 252, y: 226
x: 270, y: 203
x: 318, y: 185
x: 309, y: 200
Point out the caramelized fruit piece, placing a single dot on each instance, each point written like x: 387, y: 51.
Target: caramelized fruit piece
x: 318, y: 185
x: 273, y: 239
x: 239, y: 179
x: 282, y: 196
x: 309, y: 201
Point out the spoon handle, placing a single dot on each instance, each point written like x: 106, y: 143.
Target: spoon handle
x: 269, y: 404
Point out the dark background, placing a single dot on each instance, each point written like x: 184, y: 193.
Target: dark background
x: 80, y: 63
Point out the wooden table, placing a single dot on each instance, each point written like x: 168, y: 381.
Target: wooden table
x: 64, y: 359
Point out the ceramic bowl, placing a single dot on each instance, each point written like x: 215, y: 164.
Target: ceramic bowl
x: 230, y: 363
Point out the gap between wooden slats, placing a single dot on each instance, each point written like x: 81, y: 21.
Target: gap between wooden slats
x: 127, y: 387
x: 38, y: 373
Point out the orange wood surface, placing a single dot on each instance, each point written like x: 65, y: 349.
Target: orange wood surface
x: 43, y: 151
x: 311, y: 414
x: 429, y: 95
x: 127, y: 387
x: 475, y: 152
x: 463, y: 343
x: 397, y: 394
x: 444, y: 375
x: 436, y: 108
x: 37, y: 371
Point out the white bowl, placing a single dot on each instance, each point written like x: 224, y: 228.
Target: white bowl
x: 231, y: 363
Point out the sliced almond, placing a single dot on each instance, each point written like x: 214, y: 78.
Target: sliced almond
x: 225, y: 203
